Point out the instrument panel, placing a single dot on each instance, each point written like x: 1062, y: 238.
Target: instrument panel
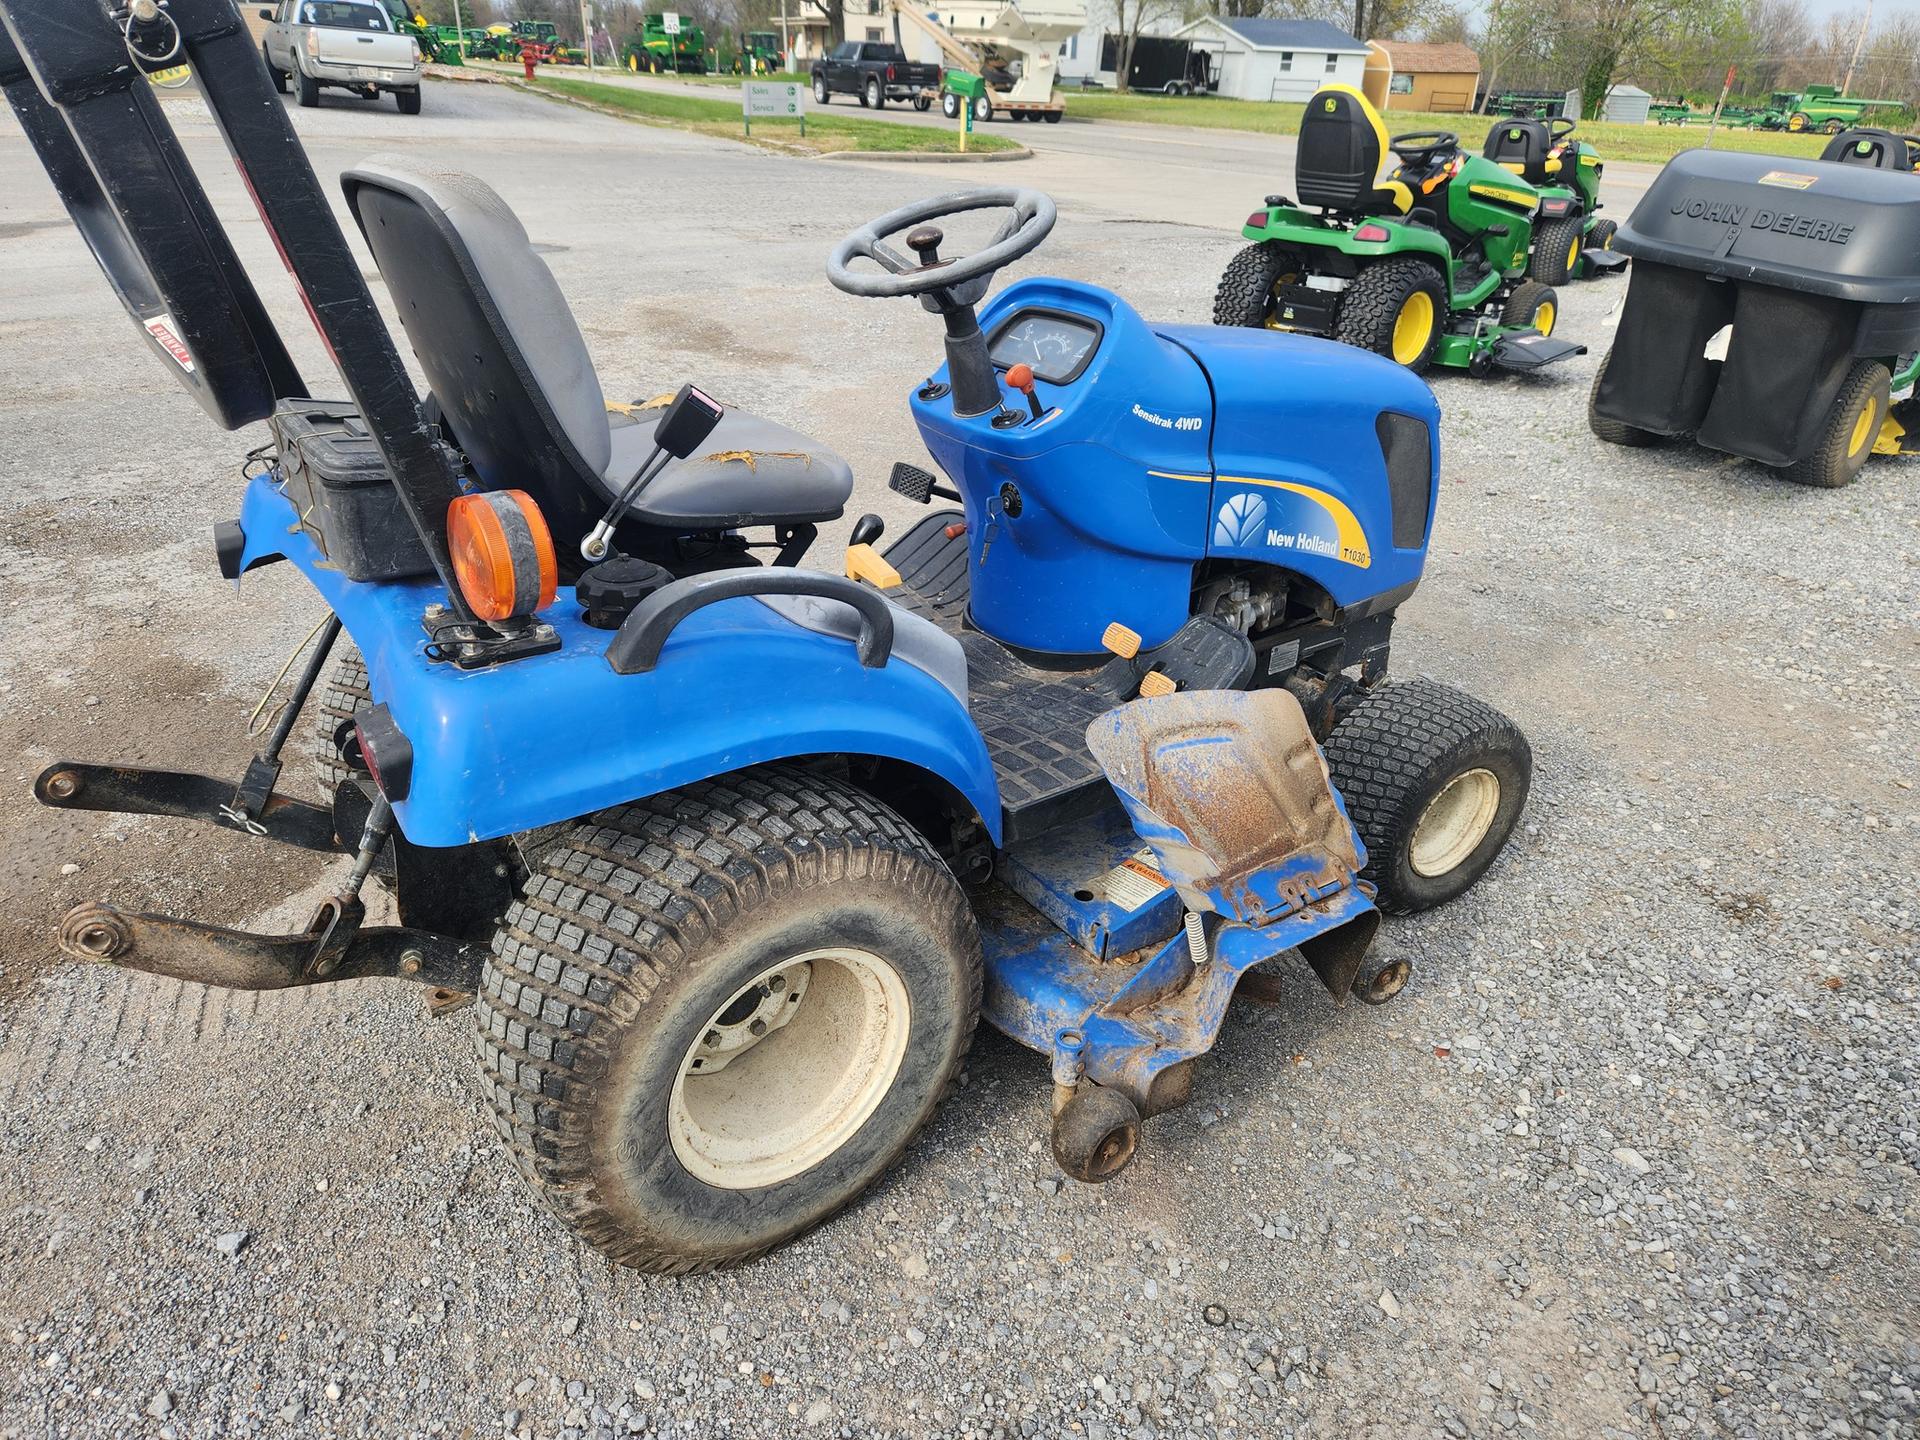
x: 1057, y: 345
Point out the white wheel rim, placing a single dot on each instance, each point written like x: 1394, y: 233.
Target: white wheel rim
x: 833, y: 1032
x: 1455, y: 822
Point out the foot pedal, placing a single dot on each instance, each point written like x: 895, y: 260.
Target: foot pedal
x: 911, y: 481
x: 1121, y: 641
x: 1206, y: 653
x: 1604, y: 262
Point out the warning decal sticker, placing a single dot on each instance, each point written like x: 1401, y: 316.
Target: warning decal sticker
x: 1135, y: 880
x: 161, y: 328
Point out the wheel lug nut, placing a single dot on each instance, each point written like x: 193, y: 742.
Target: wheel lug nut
x: 758, y: 1027
x: 713, y: 1038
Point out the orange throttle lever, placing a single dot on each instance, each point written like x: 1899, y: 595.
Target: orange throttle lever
x: 1020, y: 377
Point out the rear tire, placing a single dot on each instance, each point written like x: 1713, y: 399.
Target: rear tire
x: 876, y: 98
x: 1615, y: 432
x: 1434, y: 781
x: 279, y: 77
x: 651, y: 928
x: 1532, y: 304
x: 408, y: 101
x: 982, y: 109
x: 1054, y: 117
x: 1852, y: 425
x: 309, y: 90
x: 341, y: 694
x: 1394, y: 308
x: 922, y: 103
x: 1244, y: 296
x: 1556, y: 251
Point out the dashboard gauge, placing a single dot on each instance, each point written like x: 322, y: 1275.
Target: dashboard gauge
x: 1057, y: 346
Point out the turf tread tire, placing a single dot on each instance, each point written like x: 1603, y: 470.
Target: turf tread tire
x: 632, y: 899
x: 1525, y: 302
x: 1830, y: 466
x: 342, y: 693
x: 1372, y: 303
x: 1245, y: 292
x: 1551, y: 245
x: 1383, y: 756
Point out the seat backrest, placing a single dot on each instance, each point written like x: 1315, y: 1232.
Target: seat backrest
x: 1880, y: 149
x: 1342, y: 144
x: 1521, y: 146
x: 493, y: 333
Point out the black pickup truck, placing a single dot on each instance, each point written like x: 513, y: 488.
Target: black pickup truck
x: 876, y: 73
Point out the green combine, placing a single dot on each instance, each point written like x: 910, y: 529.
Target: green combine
x: 1818, y: 107
x: 666, y: 44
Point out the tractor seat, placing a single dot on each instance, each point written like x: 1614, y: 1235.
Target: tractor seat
x: 517, y: 388
x: 1526, y: 148
x: 1337, y: 159
x: 1880, y: 149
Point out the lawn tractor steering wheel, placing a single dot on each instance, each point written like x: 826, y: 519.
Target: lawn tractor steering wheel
x: 948, y: 288
x: 1559, y: 128
x: 1417, y: 148
x: 962, y: 281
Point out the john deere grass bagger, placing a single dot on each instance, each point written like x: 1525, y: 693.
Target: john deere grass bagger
x: 1426, y: 266
x: 1774, y: 311
x: 1570, y: 240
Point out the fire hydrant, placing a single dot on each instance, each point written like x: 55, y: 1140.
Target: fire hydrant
x: 527, y: 60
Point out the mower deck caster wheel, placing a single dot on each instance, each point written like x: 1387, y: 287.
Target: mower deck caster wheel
x: 1096, y: 1134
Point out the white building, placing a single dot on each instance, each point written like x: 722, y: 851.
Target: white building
x: 1626, y: 105
x: 1262, y: 59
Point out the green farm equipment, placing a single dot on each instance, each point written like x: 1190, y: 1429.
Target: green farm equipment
x: 1570, y: 240
x: 760, y: 53
x: 438, y: 43
x: 1426, y: 265
x: 666, y: 44
x: 1818, y: 107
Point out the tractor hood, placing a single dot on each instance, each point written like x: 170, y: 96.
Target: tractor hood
x: 1814, y: 226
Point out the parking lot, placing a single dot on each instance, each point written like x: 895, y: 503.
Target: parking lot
x: 1634, y: 1154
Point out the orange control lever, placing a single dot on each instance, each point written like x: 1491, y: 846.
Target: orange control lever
x: 1020, y: 377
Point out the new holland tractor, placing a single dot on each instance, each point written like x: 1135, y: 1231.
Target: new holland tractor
x: 733, y: 856
x: 1426, y: 265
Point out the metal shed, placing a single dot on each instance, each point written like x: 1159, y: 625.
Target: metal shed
x: 1626, y: 105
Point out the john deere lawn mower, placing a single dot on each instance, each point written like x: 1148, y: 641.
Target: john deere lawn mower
x: 1774, y: 310
x: 1426, y: 265
x: 1570, y: 240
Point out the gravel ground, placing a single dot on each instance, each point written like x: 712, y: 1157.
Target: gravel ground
x: 1634, y: 1155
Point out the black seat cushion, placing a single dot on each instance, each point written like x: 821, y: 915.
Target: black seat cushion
x: 1338, y: 157
x: 512, y: 374
x: 749, y: 470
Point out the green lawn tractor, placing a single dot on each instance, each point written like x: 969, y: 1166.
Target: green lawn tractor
x: 757, y: 53
x: 1570, y: 240
x: 1426, y: 265
x: 666, y: 44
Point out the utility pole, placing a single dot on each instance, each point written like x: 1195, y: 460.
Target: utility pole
x: 586, y: 30
x: 1846, y: 85
x: 459, y: 30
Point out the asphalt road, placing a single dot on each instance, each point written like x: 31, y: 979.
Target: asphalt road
x: 1633, y: 1156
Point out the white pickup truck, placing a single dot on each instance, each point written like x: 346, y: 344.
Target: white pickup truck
x: 350, y: 44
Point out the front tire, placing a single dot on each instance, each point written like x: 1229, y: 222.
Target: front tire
x: 1434, y: 781
x: 950, y: 105
x: 1394, y: 308
x: 653, y: 928
x: 821, y: 95
x: 278, y: 76
x: 1532, y: 304
x: 1852, y: 425
x: 1556, y: 251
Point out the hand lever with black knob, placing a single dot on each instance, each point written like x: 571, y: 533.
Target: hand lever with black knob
x: 866, y: 530
x: 1020, y: 377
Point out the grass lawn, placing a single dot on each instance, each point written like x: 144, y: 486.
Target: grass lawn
x: 825, y: 133
x: 1655, y: 143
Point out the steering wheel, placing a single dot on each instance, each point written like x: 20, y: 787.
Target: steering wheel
x: 1022, y: 231
x: 1417, y: 147
x: 1559, y: 127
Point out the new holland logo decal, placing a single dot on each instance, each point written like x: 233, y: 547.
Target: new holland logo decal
x: 1241, y: 522
x: 1324, y: 526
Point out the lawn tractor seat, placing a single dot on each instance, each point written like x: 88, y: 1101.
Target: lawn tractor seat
x: 1526, y: 148
x: 517, y: 388
x: 1878, y: 149
x: 1337, y: 160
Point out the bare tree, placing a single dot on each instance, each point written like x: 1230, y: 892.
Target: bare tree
x: 1131, y: 17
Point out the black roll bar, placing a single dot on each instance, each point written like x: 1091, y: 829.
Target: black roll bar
x: 77, y: 56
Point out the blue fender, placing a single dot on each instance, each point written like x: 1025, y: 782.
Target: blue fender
x: 554, y: 737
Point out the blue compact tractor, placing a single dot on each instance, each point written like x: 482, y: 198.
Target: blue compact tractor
x: 732, y: 855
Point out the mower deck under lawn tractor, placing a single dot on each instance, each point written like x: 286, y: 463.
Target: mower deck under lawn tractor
x: 1427, y: 265
x: 1773, y: 312
x: 733, y: 856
